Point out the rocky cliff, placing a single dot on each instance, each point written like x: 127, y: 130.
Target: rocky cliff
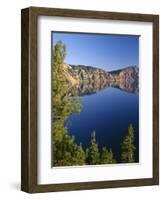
x: 127, y: 78
x: 87, y: 79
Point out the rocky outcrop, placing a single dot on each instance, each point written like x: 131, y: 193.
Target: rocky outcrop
x: 88, y: 80
x: 127, y: 79
x: 87, y: 74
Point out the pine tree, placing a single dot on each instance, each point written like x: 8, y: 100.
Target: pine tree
x: 59, y: 89
x: 128, y: 147
x: 111, y: 159
x: 107, y: 156
x: 68, y: 153
x: 65, y: 151
x: 93, y: 151
x: 63, y: 104
x: 104, y: 156
x: 79, y: 155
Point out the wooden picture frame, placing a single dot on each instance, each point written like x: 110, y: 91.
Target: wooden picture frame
x: 29, y: 110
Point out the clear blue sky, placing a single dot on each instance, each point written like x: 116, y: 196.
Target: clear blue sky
x: 109, y: 52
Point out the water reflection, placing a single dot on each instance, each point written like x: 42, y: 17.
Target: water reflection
x: 85, y: 88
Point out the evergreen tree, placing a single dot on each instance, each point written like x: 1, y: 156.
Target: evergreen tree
x: 93, y: 152
x: 63, y: 104
x: 79, y: 155
x: 107, y: 156
x: 111, y: 159
x: 104, y: 156
x: 65, y: 151
x: 87, y: 155
x: 128, y: 147
x: 68, y: 153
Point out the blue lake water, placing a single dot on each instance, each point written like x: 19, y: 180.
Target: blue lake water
x: 109, y: 113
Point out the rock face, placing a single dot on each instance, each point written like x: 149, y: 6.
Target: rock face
x: 128, y: 79
x: 89, y: 74
x: 88, y: 80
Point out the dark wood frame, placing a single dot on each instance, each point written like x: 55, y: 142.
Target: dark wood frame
x: 29, y: 98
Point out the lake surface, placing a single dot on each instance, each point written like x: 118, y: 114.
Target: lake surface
x: 109, y: 113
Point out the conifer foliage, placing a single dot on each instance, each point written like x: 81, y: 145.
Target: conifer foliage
x: 93, y: 151
x: 128, y: 147
x: 107, y: 156
x: 65, y: 151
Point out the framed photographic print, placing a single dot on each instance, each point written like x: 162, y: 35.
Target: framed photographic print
x: 90, y: 99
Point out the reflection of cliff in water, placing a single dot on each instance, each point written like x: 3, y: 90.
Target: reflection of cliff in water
x: 88, y: 80
x: 86, y: 88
